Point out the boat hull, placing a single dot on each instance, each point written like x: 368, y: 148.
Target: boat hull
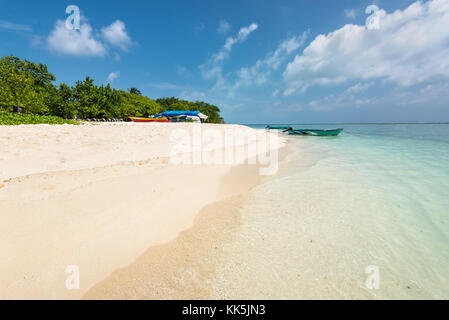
x: 315, y: 132
x: 149, y: 120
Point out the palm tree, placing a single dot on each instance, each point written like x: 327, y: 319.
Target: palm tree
x: 135, y: 91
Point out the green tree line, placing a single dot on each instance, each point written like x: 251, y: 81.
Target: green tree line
x: 30, y: 85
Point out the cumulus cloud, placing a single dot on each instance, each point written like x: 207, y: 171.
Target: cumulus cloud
x: 223, y: 27
x: 112, y: 76
x: 86, y: 42
x: 410, y: 47
x: 75, y: 42
x: 116, y: 35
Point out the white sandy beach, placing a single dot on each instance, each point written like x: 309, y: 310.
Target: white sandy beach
x: 96, y: 197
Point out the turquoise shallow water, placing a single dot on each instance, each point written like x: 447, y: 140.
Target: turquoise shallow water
x: 378, y: 195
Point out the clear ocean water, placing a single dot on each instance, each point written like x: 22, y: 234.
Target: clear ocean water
x: 362, y: 215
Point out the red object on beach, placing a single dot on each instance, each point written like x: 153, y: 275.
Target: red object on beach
x: 149, y: 119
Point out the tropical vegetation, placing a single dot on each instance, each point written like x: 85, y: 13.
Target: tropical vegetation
x: 32, y: 86
x: 11, y: 119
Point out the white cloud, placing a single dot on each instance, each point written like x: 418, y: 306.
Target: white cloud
x: 286, y: 48
x: 11, y: 26
x: 231, y: 41
x: 431, y: 92
x: 116, y: 35
x: 112, y: 76
x: 34, y: 40
x: 75, y: 42
x: 289, y: 91
x: 259, y: 73
x: 223, y: 27
x: 241, y: 36
x: 359, y: 87
x: 410, y: 47
x: 212, y: 69
x: 350, y: 13
x: 275, y: 93
x: 86, y: 42
x: 431, y: 95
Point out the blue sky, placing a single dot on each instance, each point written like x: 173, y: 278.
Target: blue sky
x: 260, y: 61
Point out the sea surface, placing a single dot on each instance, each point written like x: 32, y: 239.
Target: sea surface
x: 363, y: 215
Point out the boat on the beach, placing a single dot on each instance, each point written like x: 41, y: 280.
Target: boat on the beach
x: 174, y: 116
x: 277, y: 128
x: 134, y: 119
x: 315, y: 132
x: 184, y: 116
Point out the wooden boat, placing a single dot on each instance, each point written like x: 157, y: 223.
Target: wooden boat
x: 149, y: 119
x: 315, y: 132
x: 277, y: 128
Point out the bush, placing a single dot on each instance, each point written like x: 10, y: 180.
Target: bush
x: 14, y: 119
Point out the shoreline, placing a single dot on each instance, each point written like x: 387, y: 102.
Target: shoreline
x: 97, y: 218
x: 183, y: 268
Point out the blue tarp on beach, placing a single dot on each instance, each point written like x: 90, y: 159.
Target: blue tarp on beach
x: 180, y: 113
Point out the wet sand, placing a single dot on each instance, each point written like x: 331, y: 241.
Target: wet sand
x: 186, y: 267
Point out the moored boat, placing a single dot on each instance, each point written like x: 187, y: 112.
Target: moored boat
x: 277, y: 128
x: 315, y: 132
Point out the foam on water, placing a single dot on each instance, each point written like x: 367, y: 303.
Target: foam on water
x: 375, y: 196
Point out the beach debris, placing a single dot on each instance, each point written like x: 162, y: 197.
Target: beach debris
x: 2, y: 186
